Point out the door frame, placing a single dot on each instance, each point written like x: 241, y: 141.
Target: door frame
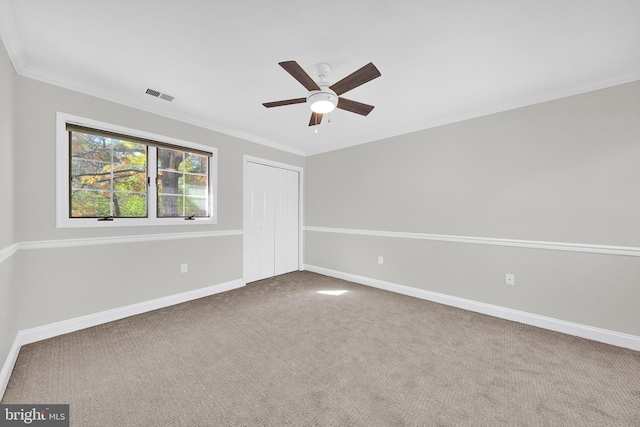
x: 300, y: 170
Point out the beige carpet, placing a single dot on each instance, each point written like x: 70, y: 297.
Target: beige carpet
x: 279, y: 353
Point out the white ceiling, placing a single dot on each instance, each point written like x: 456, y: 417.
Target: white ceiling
x: 441, y: 61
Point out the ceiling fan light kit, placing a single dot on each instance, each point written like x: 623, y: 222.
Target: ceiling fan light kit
x: 324, y: 98
x: 322, y: 101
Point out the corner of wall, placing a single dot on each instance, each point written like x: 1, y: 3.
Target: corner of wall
x: 8, y: 246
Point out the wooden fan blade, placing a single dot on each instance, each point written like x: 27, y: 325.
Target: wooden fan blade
x: 355, y: 79
x: 354, y: 106
x: 299, y: 74
x: 316, y: 118
x: 285, y: 102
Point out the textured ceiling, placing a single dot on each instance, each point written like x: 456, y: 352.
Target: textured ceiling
x: 441, y: 61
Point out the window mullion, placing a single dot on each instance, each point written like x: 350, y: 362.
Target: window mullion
x: 111, y: 186
x: 184, y: 190
x: 152, y: 182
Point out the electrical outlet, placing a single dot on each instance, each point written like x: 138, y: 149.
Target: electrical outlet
x: 183, y: 268
x: 509, y: 279
x: 380, y: 260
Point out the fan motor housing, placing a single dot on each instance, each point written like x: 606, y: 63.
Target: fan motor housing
x: 322, y: 101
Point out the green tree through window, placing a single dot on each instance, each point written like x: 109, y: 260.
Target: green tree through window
x: 108, y: 177
x: 182, y: 184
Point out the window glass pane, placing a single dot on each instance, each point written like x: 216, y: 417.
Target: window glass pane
x: 112, y: 166
x: 89, y: 174
x: 195, y: 164
x: 169, y: 159
x: 181, y: 206
x: 127, y: 152
x: 91, y: 147
x: 128, y: 178
x: 129, y: 205
x: 195, y: 185
x: 183, y: 184
x: 169, y: 182
x: 169, y: 206
x: 195, y: 206
x: 90, y: 204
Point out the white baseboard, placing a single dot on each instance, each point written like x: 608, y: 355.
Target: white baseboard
x: 28, y: 336
x: 589, y: 332
x: 8, y: 365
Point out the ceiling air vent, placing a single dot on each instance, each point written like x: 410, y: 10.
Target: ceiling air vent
x: 158, y: 94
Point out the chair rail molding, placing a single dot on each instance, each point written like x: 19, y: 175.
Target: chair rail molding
x: 7, y: 252
x: 535, y: 244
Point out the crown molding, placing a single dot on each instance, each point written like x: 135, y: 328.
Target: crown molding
x: 15, y: 49
x: 486, y: 111
x: 45, y: 76
x: 11, y: 37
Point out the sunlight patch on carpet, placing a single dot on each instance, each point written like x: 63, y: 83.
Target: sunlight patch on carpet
x: 340, y: 292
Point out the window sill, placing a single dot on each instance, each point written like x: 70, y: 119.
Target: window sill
x: 130, y: 222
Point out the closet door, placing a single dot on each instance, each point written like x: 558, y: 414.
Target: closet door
x: 270, y: 221
x: 293, y: 225
x: 281, y: 217
x: 267, y: 228
x: 286, y: 221
x: 258, y: 222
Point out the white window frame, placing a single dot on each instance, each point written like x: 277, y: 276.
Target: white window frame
x: 62, y: 178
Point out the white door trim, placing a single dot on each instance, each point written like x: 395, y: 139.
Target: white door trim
x: 252, y: 159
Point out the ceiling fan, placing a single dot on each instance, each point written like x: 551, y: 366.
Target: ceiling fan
x: 323, y: 98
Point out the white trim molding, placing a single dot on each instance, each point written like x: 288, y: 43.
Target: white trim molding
x: 7, y: 252
x: 534, y: 244
x: 32, y: 335
x: 94, y: 241
x: 583, y: 331
x: 9, y: 363
x: 15, y: 49
x: 300, y: 170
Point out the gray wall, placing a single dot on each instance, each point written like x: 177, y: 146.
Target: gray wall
x: 7, y: 86
x: 560, y: 171
x: 55, y: 284
x: 36, y: 126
